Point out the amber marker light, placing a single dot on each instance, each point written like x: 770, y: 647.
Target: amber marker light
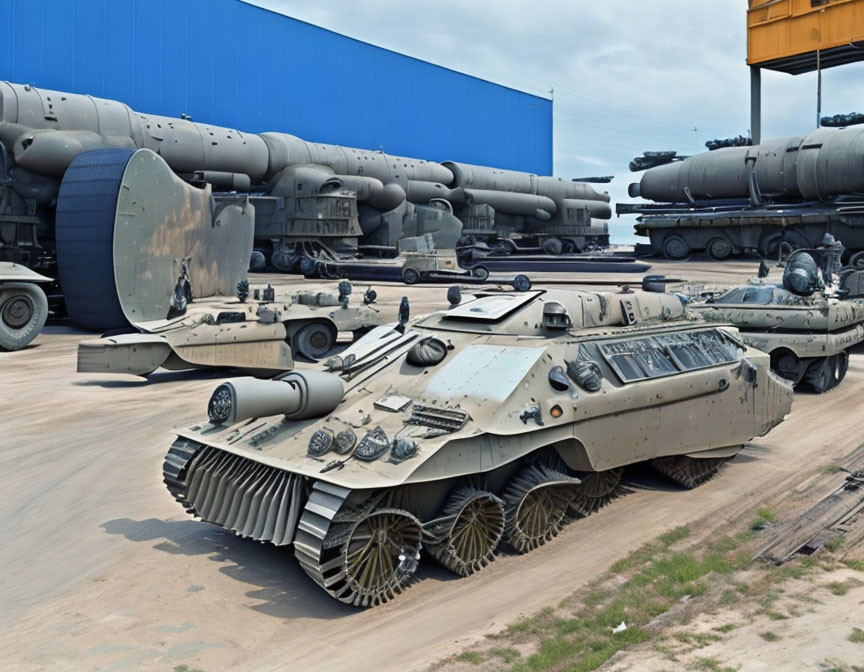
x: 556, y: 411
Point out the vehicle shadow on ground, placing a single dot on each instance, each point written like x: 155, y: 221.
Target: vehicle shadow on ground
x: 277, y: 584
x: 161, y: 377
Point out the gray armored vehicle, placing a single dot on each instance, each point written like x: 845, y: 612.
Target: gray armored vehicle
x: 746, y: 199
x: 807, y: 320
x: 23, y: 305
x: 487, y: 425
x: 262, y: 332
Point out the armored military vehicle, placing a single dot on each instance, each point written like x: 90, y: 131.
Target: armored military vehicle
x: 807, y: 319
x: 260, y: 331
x: 486, y: 425
x: 23, y: 305
x: 747, y: 199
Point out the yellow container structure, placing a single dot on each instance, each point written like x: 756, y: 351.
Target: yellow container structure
x: 786, y: 35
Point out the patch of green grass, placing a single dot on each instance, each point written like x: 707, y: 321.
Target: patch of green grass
x: 507, y: 655
x: 834, y: 544
x: 837, y: 588
x: 857, y: 565
x: 729, y: 597
x: 764, y: 518
x: 473, y: 657
x: 857, y: 636
x: 728, y: 627
x: 709, y: 665
x: 674, y: 536
x: 776, y: 616
x: 832, y: 468
x: 770, y: 636
x: 185, y: 668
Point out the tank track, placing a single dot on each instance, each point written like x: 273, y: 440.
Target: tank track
x: 689, y: 472
x: 466, y: 536
x: 323, y: 536
x: 552, y: 491
x: 174, y: 469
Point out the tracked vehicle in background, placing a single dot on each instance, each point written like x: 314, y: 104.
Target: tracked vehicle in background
x: 261, y: 331
x: 806, y: 319
x: 484, y: 426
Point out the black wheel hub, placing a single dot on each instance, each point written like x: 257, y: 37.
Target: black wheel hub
x: 17, y: 312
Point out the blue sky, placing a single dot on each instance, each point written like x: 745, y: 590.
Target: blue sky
x: 627, y: 76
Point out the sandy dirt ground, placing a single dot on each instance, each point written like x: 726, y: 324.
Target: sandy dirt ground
x: 102, y: 570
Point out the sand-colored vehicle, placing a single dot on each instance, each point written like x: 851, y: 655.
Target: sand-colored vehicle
x: 807, y: 319
x: 260, y: 331
x: 23, y: 305
x: 488, y: 424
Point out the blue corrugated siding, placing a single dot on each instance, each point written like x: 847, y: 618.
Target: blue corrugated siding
x: 228, y: 63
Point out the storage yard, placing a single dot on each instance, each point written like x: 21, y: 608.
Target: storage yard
x: 103, y: 570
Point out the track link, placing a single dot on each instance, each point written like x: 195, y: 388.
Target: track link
x: 689, y: 472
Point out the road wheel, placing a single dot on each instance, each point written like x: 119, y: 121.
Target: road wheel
x: 480, y: 272
x: 536, y: 502
x: 786, y: 364
x: 23, y: 311
x: 313, y: 341
x: 552, y: 246
x: 410, y: 276
x: 838, y: 364
x: 689, y: 471
x: 675, y: 247
x: 569, y: 247
x: 818, y: 376
x: 769, y: 246
x: 468, y: 530
x: 718, y: 249
x: 257, y: 261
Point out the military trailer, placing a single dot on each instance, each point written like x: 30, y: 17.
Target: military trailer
x: 485, y: 426
x: 807, y: 320
x: 752, y: 199
x: 259, y: 331
x: 23, y: 305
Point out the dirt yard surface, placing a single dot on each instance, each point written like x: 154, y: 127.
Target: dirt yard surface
x: 102, y: 570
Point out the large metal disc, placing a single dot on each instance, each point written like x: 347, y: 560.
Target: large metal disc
x: 471, y: 525
x: 689, y: 471
x: 536, y: 502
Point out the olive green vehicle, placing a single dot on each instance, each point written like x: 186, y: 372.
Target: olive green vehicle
x: 23, y: 305
x: 484, y: 426
x: 263, y: 333
x: 807, y: 320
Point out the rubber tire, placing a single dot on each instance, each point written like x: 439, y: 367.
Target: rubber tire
x: 675, y: 247
x: 857, y: 260
x: 552, y: 246
x: 12, y: 338
x: 480, y: 272
x: 725, y: 249
x: 818, y: 375
x: 410, y: 276
x: 839, y: 367
x: 257, y: 261
x: 301, y: 341
x: 782, y: 355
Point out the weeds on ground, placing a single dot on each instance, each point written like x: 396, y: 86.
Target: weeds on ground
x: 857, y: 636
x: 764, y: 518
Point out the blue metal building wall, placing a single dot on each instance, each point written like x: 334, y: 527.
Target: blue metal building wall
x: 232, y: 64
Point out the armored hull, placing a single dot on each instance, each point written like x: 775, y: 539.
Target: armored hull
x: 485, y: 426
x: 807, y: 333
x: 260, y: 335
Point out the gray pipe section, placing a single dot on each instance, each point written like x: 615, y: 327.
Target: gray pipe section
x: 828, y: 162
x: 46, y: 130
x: 297, y: 396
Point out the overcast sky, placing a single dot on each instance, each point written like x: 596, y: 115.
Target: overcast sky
x: 627, y: 75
